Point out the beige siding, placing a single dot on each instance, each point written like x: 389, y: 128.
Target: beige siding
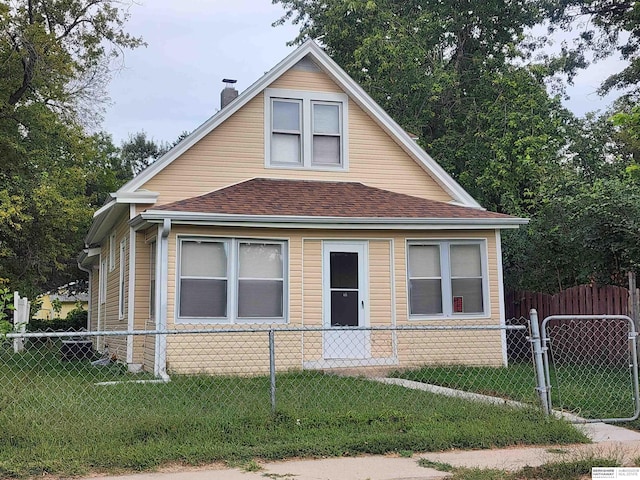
x: 235, y: 151
x: 381, y: 297
x: 298, y: 79
x: 111, y: 320
x: 248, y: 352
x: 144, y: 349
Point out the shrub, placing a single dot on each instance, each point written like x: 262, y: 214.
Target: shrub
x: 76, y: 320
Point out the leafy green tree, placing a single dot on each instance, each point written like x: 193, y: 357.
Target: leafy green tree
x: 580, y: 234
x: 54, y: 64
x: 448, y: 72
x: 606, y: 27
x: 138, y: 152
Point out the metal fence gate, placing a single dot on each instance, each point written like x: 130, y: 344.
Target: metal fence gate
x: 590, y: 366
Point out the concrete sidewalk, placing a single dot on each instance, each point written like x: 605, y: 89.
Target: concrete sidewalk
x: 608, y: 441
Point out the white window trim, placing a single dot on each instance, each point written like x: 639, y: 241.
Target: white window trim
x: 121, y: 277
x: 445, y: 275
x: 112, y: 252
x: 232, y: 281
x: 307, y: 98
x: 102, y: 282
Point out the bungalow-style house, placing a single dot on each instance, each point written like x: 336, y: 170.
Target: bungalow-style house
x: 301, y: 203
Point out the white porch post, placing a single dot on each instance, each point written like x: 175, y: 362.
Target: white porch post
x: 162, y: 277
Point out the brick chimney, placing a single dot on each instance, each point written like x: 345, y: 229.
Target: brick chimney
x: 229, y: 92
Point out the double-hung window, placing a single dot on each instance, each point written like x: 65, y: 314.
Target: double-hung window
x: 305, y: 129
x: 260, y: 280
x: 447, y: 278
x: 231, y: 280
x: 203, y: 279
x: 326, y: 126
x: 286, y: 137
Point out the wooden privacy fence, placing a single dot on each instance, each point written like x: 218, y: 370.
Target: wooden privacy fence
x: 596, y: 341
x: 580, y: 300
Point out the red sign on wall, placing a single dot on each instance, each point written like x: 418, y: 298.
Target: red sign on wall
x: 457, y: 304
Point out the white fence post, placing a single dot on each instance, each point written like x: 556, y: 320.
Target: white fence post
x: 20, y: 319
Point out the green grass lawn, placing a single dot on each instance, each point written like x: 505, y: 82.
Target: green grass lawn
x: 590, y: 391
x: 53, y: 418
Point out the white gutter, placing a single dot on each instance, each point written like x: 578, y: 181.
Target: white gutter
x: 162, y: 277
x: 360, y: 223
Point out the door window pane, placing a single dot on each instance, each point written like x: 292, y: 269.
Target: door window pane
x: 343, y: 267
x: 344, y: 308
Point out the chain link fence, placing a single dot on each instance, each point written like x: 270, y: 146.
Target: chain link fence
x: 591, y: 366
x: 89, y: 367
x: 137, y: 399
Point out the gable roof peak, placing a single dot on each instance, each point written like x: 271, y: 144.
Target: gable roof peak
x: 310, y: 48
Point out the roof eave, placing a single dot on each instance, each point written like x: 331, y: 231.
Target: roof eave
x: 105, y: 217
x: 326, y: 222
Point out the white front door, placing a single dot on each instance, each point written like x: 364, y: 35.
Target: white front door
x: 345, y: 306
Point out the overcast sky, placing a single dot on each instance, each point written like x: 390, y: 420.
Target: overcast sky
x: 173, y: 85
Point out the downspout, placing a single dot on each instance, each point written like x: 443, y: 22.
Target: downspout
x: 90, y: 303
x: 131, y: 287
x: 162, y: 269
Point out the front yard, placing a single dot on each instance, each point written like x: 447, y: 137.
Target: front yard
x: 55, y: 419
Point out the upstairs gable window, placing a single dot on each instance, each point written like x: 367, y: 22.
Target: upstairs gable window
x: 286, y: 136
x: 305, y: 130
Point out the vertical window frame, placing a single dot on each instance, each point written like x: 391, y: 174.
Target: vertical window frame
x: 112, y: 251
x: 446, y: 278
x: 102, y: 282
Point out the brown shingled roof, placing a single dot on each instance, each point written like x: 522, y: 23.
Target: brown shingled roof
x: 304, y: 198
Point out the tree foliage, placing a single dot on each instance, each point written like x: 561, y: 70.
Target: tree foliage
x: 54, y: 63
x: 453, y: 73
x: 606, y: 27
x: 138, y: 152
